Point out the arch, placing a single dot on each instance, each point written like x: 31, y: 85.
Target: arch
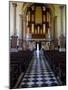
x: 50, y: 10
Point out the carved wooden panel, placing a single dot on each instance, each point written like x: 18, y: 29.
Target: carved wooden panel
x: 38, y: 20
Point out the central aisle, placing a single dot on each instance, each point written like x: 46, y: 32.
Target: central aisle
x: 39, y: 73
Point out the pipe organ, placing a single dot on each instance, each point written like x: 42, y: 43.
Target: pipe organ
x: 38, y: 20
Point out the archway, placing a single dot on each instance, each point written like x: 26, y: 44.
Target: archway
x: 40, y: 21
x: 39, y: 26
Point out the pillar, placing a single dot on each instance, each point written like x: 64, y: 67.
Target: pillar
x: 24, y: 25
x: 61, y: 8
x: 62, y: 37
x: 21, y: 32
x: 14, y: 36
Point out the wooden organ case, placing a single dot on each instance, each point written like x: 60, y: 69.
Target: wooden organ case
x: 38, y: 20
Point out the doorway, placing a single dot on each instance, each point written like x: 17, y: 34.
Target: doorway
x: 38, y: 45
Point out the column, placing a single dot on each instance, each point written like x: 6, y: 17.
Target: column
x: 62, y: 38
x: 61, y: 8
x: 14, y: 18
x: 14, y: 36
x: 21, y: 32
x: 63, y: 19
x: 24, y: 25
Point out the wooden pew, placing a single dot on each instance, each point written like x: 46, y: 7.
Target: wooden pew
x: 57, y: 61
x: 19, y: 62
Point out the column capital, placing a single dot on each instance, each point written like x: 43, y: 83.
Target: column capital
x: 62, y: 6
x: 14, y: 4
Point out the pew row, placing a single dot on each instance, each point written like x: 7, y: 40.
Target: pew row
x: 57, y: 62
x: 19, y: 62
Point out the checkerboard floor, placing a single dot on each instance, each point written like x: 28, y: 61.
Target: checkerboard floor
x: 39, y: 73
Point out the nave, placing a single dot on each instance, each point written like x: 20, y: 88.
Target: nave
x: 37, y: 44
x: 39, y: 73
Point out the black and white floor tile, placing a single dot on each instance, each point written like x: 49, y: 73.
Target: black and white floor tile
x: 39, y: 73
